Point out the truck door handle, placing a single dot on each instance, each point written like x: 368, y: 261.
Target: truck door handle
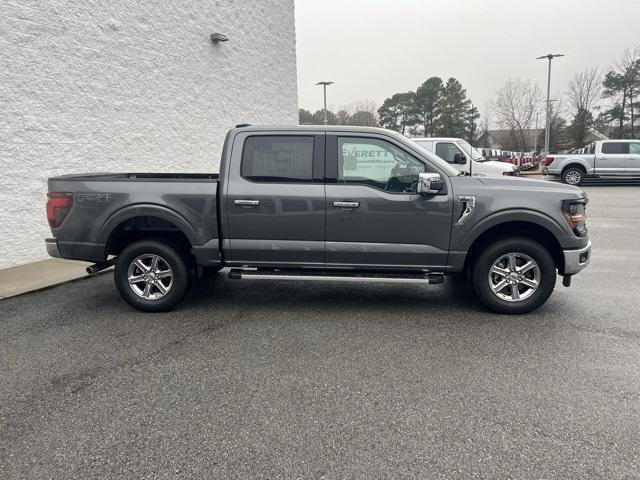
x: 247, y: 203
x: 346, y: 204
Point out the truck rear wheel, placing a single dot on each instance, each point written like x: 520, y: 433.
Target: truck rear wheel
x: 514, y: 275
x: 151, y: 276
x: 573, y: 176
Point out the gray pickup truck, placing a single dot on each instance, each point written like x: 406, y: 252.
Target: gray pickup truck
x: 322, y: 203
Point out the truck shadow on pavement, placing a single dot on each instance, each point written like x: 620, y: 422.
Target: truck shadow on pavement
x: 219, y: 292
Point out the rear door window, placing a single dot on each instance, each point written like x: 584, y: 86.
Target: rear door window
x: 614, y: 147
x: 634, y: 148
x: 271, y: 158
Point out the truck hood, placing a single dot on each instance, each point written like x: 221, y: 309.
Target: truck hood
x: 519, y: 183
x: 495, y: 166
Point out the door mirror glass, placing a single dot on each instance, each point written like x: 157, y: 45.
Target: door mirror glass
x: 430, y: 183
x: 459, y: 159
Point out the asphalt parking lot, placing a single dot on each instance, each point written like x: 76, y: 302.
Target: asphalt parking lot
x: 302, y: 380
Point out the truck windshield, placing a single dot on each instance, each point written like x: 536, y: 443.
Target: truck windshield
x: 470, y: 151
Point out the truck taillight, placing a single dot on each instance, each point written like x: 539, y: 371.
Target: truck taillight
x: 548, y: 161
x: 58, y: 206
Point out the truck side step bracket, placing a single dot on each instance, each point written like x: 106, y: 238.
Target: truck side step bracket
x: 314, y: 275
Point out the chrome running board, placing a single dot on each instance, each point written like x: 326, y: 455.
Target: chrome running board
x: 315, y: 276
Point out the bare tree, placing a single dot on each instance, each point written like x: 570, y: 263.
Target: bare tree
x: 585, y: 89
x: 362, y: 106
x: 622, y: 83
x: 630, y: 65
x: 362, y: 112
x: 514, y: 107
x: 584, y: 92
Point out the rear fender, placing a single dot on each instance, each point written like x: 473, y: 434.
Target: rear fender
x: 575, y: 161
x: 147, y: 210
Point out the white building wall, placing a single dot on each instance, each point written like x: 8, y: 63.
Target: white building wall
x: 124, y: 85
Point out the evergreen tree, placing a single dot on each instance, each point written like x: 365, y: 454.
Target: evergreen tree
x: 428, y: 100
x: 305, y: 117
x: 363, y: 119
x: 343, y: 117
x: 579, y: 128
x: 398, y: 112
x: 318, y: 118
x: 457, y: 115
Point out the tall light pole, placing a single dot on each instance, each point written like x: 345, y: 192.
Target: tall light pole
x: 535, y: 135
x: 549, y: 56
x: 324, y: 86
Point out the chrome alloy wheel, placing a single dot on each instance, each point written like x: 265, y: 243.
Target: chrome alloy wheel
x: 150, y: 276
x: 573, y: 177
x: 514, y: 277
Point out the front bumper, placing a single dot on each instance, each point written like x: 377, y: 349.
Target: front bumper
x: 52, y: 247
x: 576, y: 260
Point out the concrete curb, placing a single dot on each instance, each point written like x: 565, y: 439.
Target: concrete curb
x: 36, y: 276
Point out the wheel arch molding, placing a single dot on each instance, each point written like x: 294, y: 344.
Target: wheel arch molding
x: 508, y: 219
x: 112, y: 224
x: 573, y: 163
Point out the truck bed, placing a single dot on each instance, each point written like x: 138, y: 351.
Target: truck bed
x: 103, y: 205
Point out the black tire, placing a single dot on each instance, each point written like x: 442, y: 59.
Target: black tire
x: 573, y: 176
x: 519, y: 246
x: 170, y: 258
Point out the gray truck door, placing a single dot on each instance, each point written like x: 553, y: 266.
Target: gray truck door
x: 633, y: 159
x: 612, y: 159
x: 275, y: 199
x: 375, y: 218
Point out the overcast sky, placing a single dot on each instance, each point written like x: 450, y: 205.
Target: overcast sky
x: 375, y: 48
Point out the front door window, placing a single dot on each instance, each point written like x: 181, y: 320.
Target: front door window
x: 377, y: 163
x: 447, y: 151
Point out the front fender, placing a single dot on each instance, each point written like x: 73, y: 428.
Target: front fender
x: 462, y: 240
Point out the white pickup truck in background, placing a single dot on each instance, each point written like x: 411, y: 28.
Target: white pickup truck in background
x: 603, y: 158
x: 463, y: 157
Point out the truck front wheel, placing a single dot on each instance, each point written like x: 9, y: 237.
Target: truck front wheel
x: 514, y: 275
x: 151, y: 276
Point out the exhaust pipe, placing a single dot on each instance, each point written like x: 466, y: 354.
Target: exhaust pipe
x: 98, y: 267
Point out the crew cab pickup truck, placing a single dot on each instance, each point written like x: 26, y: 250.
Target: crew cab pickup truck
x: 322, y: 203
x: 465, y: 158
x: 603, y: 158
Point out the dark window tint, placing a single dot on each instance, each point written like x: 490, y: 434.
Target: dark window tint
x: 278, y: 159
x: 614, y: 147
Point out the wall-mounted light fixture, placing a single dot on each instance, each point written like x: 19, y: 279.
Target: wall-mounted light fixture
x: 218, y: 37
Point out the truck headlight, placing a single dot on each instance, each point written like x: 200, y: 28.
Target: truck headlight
x: 575, y: 215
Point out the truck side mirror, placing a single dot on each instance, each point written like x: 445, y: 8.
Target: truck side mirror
x: 429, y: 183
x: 459, y: 159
